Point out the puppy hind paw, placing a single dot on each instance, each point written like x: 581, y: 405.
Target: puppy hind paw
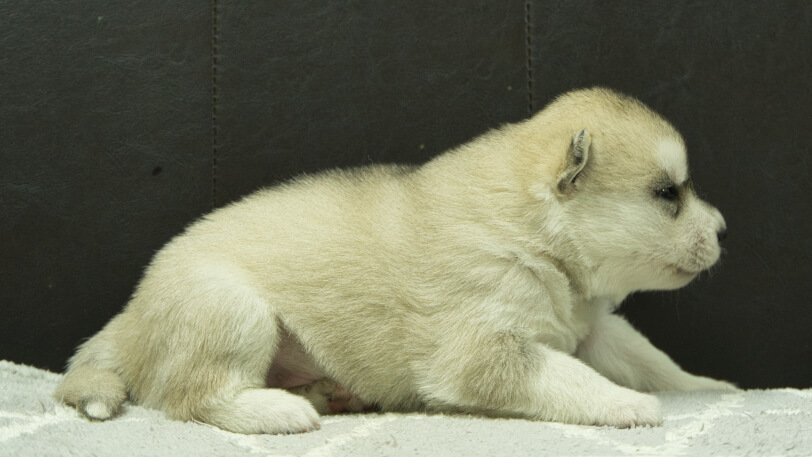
x: 270, y: 411
x: 631, y: 409
x: 98, y: 410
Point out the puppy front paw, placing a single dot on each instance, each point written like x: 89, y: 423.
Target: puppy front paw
x: 687, y: 382
x: 703, y: 383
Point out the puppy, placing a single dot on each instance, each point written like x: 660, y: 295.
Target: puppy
x: 481, y: 282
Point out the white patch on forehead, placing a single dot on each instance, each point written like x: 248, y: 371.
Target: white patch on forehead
x: 673, y: 159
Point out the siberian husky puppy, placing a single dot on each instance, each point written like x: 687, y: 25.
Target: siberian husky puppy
x: 483, y: 281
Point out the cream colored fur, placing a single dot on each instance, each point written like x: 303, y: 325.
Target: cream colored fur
x: 483, y: 281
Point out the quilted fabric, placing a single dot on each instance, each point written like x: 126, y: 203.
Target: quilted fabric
x: 746, y: 423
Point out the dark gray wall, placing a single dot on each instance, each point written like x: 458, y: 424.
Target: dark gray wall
x: 105, y: 122
x: 734, y: 77
x: 122, y: 122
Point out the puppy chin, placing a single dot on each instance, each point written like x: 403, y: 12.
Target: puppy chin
x: 675, y: 277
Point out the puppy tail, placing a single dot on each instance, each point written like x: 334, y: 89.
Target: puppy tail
x: 96, y: 392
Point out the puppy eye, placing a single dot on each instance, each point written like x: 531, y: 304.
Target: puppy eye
x: 669, y: 193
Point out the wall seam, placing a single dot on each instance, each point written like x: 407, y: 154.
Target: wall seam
x: 214, y: 99
x: 528, y: 35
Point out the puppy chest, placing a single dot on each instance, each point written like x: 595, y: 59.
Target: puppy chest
x: 553, y: 318
x: 561, y: 330
x: 566, y: 340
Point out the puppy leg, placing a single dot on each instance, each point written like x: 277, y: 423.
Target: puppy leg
x: 213, y: 349
x: 507, y: 374
x: 619, y: 352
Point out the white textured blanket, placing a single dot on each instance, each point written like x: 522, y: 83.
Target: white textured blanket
x: 763, y: 423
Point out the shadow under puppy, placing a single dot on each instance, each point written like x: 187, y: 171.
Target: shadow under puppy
x: 483, y: 281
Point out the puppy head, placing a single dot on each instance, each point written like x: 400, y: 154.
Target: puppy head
x: 618, y: 176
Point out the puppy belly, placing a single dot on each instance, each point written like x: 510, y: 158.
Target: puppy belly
x: 293, y: 369
x: 329, y: 397
x: 292, y: 366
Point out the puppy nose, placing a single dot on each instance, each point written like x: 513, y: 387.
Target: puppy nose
x: 721, y: 234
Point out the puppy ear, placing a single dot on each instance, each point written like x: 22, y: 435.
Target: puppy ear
x: 577, y: 155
